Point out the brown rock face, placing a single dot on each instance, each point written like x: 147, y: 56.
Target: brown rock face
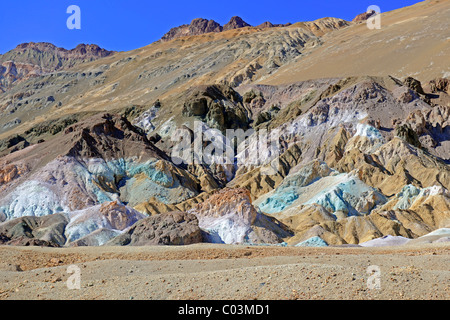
x: 201, y: 26
x: 364, y: 16
x: 173, y: 228
x: 11, y: 72
x: 198, y: 26
x: 235, y: 23
x: 10, y: 172
x: 80, y: 51
x: 98, y: 137
x: 117, y: 215
x: 440, y: 84
x: 226, y: 201
x: 89, y: 50
x: 414, y: 84
x: 266, y: 24
x: 228, y: 216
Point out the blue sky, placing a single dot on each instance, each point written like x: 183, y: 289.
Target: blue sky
x: 126, y: 25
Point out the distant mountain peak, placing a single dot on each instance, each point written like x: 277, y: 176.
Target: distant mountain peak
x: 269, y: 24
x: 196, y: 27
x: 35, y: 58
x: 235, y: 23
x: 200, y: 26
x: 81, y: 49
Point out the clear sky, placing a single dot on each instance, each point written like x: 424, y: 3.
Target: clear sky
x: 123, y: 25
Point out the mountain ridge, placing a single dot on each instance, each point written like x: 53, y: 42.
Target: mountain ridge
x: 32, y: 59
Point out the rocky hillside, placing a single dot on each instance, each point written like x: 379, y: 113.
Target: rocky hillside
x: 29, y: 60
x: 89, y: 147
x: 201, y: 26
x: 142, y: 76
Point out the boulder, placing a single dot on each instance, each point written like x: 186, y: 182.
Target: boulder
x: 172, y: 228
x: 406, y: 133
x: 414, y: 84
x: 440, y: 84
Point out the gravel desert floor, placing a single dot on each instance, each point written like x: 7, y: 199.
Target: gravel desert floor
x: 214, y: 272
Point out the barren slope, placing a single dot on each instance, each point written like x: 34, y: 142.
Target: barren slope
x: 413, y: 41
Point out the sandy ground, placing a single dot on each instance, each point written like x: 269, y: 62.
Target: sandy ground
x: 209, y: 271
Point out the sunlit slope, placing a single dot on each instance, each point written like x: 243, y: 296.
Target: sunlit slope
x: 413, y: 41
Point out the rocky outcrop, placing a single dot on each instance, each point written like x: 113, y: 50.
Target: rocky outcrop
x: 47, y: 231
x: 366, y: 163
x: 101, y: 159
x: 364, y: 16
x: 219, y: 106
x: 228, y: 216
x: 421, y: 210
x: 110, y: 217
x: 196, y: 27
x: 96, y: 137
x: 431, y: 130
x: 268, y: 24
x: 310, y: 221
x: 81, y: 51
x: 342, y: 195
x: 201, y: 26
x: 406, y: 133
x: 12, y: 73
x: 235, y: 23
x: 414, y: 84
x: 9, y: 173
x: 32, y: 59
x: 440, y: 85
x: 172, y: 228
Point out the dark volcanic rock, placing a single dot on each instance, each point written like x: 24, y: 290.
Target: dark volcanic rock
x: 52, y: 126
x: 104, y: 135
x: 212, y: 103
x: 45, y: 231
x: 406, y: 133
x: 173, y: 228
x: 13, y: 141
